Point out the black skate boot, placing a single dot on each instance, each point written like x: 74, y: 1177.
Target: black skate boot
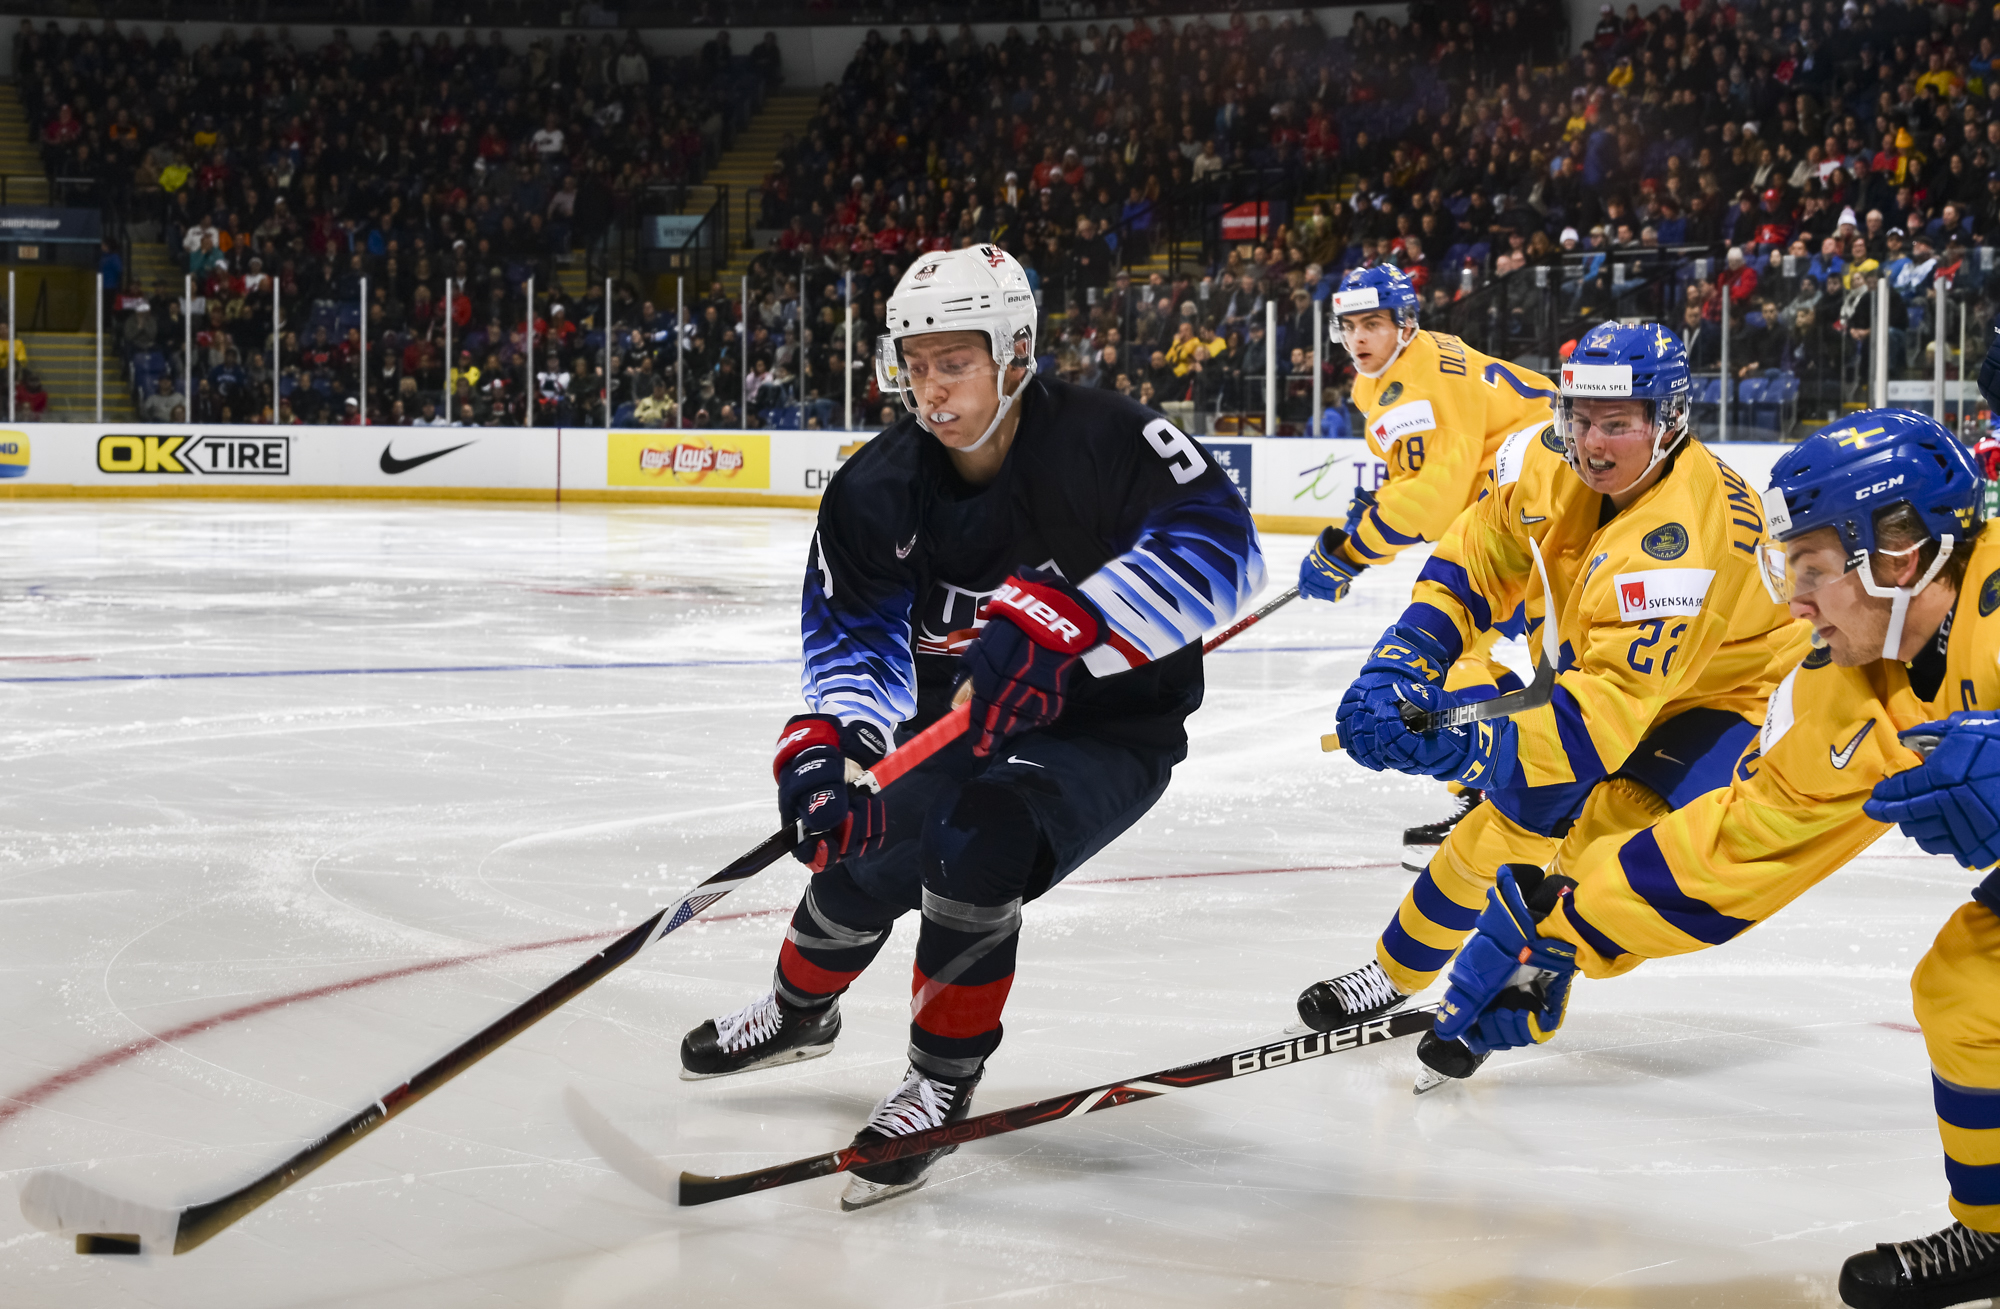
x: 919, y: 1104
x: 1357, y: 997
x: 1444, y: 1061
x: 1420, y: 843
x: 1945, y: 1268
x: 758, y: 1035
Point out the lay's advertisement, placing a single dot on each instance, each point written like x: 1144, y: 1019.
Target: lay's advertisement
x: 669, y: 460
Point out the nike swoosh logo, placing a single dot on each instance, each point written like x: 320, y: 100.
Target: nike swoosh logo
x: 1016, y: 759
x: 392, y: 465
x: 903, y: 551
x: 1845, y: 755
x: 1538, y: 518
x: 1662, y: 754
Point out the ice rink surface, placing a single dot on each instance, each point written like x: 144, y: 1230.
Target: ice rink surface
x: 254, y: 871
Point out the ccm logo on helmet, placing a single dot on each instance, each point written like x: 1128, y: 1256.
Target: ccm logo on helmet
x: 1878, y: 488
x: 1039, y: 612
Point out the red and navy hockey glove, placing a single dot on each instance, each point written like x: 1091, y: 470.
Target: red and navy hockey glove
x: 1037, y: 627
x: 811, y: 769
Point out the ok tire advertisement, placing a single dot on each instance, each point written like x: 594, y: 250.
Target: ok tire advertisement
x: 190, y: 457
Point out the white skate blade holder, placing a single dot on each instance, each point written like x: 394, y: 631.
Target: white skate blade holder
x: 861, y: 1192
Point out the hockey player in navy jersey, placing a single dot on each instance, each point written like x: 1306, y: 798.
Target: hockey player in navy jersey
x: 1060, y: 551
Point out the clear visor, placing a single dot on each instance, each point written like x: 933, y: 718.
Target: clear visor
x: 1796, y: 569
x: 1616, y: 420
x: 894, y: 372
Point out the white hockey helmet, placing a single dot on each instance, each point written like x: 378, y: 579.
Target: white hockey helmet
x: 978, y: 289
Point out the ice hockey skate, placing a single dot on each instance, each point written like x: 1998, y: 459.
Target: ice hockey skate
x: 1350, y: 998
x: 919, y: 1104
x: 763, y: 1034
x: 1420, y: 843
x: 1945, y: 1268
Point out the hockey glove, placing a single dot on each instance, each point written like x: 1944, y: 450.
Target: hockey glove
x: 1323, y: 573
x: 1404, y: 656
x: 1509, y: 986
x: 811, y: 769
x: 1480, y: 755
x: 1037, y: 628
x: 1950, y: 803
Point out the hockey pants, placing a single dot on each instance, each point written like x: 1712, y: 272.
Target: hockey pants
x: 1956, y: 991
x: 969, y: 842
x: 1540, y: 825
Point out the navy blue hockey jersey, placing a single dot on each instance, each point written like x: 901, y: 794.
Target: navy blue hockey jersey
x: 1095, y: 486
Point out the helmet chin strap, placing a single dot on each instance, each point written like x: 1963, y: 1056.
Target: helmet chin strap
x: 1899, y: 597
x: 1661, y: 449
x: 1027, y: 367
x: 1401, y: 342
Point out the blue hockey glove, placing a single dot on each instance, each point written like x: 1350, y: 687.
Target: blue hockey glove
x: 1479, y: 755
x: 811, y: 770
x: 1509, y: 986
x: 1949, y: 804
x: 1404, y: 656
x: 1323, y: 574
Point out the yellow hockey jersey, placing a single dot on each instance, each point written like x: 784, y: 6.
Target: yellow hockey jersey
x: 1732, y: 858
x: 1659, y: 608
x: 1437, y: 418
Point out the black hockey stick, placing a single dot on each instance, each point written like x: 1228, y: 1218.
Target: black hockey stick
x: 1532, y: 696
x: 108, y: 1224
x: 697, y: 1189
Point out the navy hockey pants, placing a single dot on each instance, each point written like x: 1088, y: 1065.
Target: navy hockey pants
x: 969, y: 842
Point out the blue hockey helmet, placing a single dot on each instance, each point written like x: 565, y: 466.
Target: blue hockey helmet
x: 1619, y: 361
x: 1844, y: 477
x: 1364, y: 290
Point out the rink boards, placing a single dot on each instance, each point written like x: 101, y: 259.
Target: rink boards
x: 1291, y: 484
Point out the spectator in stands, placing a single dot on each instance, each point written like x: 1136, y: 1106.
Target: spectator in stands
x: 163, y: 404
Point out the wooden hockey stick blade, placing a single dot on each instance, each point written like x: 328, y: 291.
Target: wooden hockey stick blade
x: 697, y: 1189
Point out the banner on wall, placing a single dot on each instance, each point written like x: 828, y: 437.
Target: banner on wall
x: 1291, y: 485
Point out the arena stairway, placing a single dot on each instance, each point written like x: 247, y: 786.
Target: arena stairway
x: 746, y: 165
x: 20, y: 161
x: 66, y: 363
x: 155, y: 270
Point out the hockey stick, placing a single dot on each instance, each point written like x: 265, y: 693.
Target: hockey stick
x: 1532, y: 696
x: 107, y: 1224
x: 697, y: 1189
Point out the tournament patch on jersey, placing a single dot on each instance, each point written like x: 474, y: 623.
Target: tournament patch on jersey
x: 1669, y: 542
x: 1989, y: 594
x: 1554, y: 442
x: 1662, y: 593
x: 1397, y: 423
x: 1390, y: 394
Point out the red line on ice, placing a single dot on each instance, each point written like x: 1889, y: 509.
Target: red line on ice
x: 21, y: 1101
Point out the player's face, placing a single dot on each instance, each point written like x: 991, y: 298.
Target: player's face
x: 1371, y: 337
x: 1850, y: 622
x: 1614, y: 442
x: 951, y: 377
